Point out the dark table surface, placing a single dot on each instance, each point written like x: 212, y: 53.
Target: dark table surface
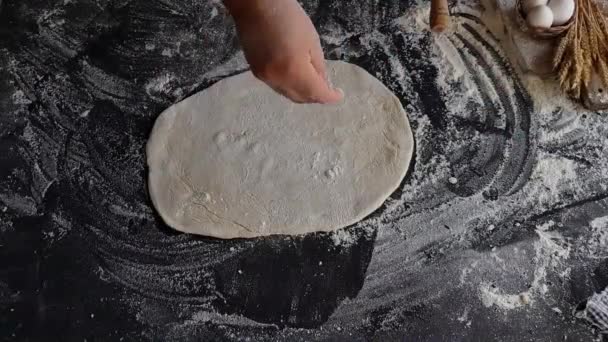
x: 497, y: 233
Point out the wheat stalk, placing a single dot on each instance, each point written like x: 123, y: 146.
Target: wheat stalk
x: 583, y: 50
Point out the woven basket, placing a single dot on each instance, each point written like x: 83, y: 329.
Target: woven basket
x: 543, y: 33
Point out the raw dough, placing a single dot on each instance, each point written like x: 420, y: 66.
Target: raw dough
x: 237, y: 160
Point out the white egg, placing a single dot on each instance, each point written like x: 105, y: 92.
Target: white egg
x: 540, y: 17
x: 563, y: 10
x: 529, y: 4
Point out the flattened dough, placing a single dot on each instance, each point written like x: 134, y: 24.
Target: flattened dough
x: 237, y: 160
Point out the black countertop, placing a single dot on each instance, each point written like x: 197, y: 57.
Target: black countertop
x: 497, y: 233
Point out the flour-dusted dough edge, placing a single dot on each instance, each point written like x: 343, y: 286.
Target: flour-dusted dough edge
x: 157, y: 143
x: 155, y: 150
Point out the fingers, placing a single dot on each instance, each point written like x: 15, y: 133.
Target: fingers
x: 318, y: 62
x: 283, y: 49
x: 313, y: 85
x: 301, y: 82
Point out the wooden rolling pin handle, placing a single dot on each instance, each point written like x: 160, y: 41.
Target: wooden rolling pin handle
x: 440, y: 15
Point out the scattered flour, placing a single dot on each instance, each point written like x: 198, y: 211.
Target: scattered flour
x: 19, y: 98
x: 214, y: 12
x: 207, y: 316
x: 597, y: 243
x: 596, y: 311
x: 466, y: 271
x: 551, y: 176
x: 48, y: 18
x: 551, y: 251
x: 492, y: 296
x: 21, y: 204
x: 343, y: 237
x: 465, y: 316
x: 122, y: 211
x: 164, y: 86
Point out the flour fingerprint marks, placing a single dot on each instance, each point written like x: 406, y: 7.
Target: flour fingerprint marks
x: 489, y: 150
x: 482, y: 160
x: 513, y: 101
x: 183, y: 282
x: 500, y: 157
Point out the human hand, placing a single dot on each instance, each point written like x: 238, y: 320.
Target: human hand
x: 283, y: 49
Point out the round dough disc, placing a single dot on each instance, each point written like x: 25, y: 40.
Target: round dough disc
x: 237, y: 160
